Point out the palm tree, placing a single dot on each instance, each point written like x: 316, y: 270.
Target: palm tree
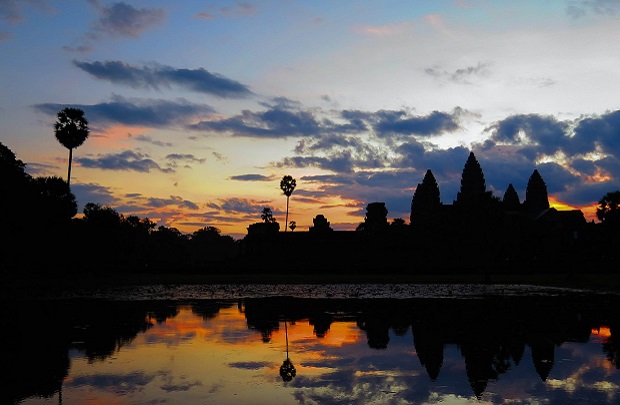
x: 287, y: 185
x: 71, y: 130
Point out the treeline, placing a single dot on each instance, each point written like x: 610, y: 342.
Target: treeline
x: 477, y: 233
x: 41, y: 234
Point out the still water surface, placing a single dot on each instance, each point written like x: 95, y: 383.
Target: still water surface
x: 347, y: 344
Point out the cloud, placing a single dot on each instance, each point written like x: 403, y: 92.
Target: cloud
x: 155, y: 76
x: 579, y: 9
x: 286, y: 118
x: 272, y: 123
x: 127, y: 160
x: 148, y: 139
x: 601, y: 132
x: 402, y: 123
x: 339, y: 162
x: 176, y: 201
x: 239, y: 206
x: 240, y: 9
x: 185, y: 159
x: 546, y: 132
x: 95, y: 193
x: 252, y: 177
x: 119, y: 384
x: 10, y: 10
x: 154, y: 113
x: 462, y: 75
x: 125, y: 21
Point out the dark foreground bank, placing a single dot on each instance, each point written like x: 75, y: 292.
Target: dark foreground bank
x: 16, y: 286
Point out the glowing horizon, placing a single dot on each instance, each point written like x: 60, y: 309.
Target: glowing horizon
x: 197, y: 110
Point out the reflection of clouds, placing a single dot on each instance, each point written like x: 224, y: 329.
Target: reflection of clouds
x: 119, y: 384
x: 171, y: 385
x: 592, y: 376
x: 250, y: 365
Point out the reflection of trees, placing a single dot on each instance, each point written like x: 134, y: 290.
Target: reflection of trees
x: 287, y: 369
x: 37, y: 351
x: 491, y: 333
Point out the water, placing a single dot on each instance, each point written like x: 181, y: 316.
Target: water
x: 348, y: 344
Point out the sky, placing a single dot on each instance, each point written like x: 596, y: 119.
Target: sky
x: 197, y: 109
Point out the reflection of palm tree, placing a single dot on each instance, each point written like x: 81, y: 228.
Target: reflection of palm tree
x: 287, y: 369
x: 71, y: 130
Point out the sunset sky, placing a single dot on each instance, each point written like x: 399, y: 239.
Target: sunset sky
x: 198, y: 108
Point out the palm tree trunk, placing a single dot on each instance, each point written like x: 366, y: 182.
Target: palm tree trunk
x: 286, y: 223
x: 69, y: 173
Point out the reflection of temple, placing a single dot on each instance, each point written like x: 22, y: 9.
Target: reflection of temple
x: 492, y: 334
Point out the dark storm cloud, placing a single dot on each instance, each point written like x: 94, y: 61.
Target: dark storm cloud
x: 135, y: 112
x: 156, y: 76
x: 252, y: 177
x: 127, y: 160
x: 123, y: 20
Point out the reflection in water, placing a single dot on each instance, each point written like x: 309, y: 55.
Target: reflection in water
x: 287, y: 369
x: 498, y: 349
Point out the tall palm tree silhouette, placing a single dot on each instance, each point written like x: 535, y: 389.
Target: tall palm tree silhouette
x: 287, y: 185
x: 71, y: 130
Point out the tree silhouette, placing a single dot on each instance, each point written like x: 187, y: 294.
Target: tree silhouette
x: 287, y: 185
x: 267, y: 216
x: 536, y: 198
x: 55, y: 198
x: 71, y: 130
x: 473, y: 186
x: 511, y: 199
x: 376, y: 217
x: 608, y: 210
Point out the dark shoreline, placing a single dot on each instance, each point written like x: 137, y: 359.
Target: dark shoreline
x: 33, y: 286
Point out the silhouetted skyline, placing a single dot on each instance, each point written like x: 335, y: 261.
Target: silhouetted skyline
x: 198, y: 110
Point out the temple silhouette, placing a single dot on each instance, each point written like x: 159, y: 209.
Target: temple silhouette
x: 478, y: 232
